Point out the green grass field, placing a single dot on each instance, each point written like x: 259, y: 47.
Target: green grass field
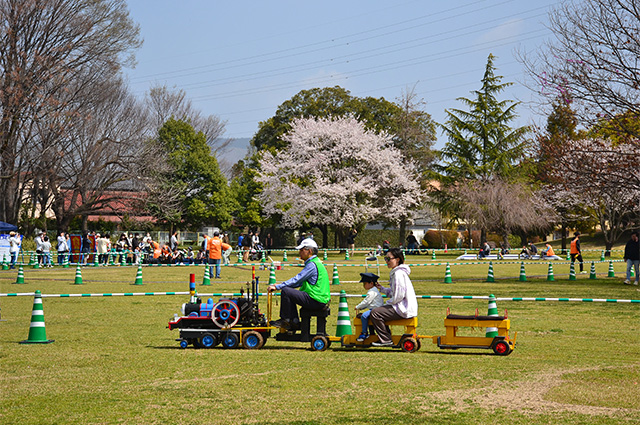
x: 115, y: 362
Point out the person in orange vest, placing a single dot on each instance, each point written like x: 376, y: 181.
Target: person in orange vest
x: 215, y: 247
x: 547, y: 252
x: 154, y: 247
x: 576, y: 252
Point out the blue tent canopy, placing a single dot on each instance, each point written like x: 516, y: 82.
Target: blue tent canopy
x: 6, y: 227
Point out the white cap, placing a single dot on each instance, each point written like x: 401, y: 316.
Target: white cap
x: 307, y: 243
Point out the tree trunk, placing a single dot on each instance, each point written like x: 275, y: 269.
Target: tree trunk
x: 403, y: 231
x: 564, y: 238
x: 325, y: 235
x: 607, y: 247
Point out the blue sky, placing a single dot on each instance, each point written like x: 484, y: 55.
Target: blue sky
x: 239, y: 60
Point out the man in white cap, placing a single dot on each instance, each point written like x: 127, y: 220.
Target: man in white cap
x: 314, y: 293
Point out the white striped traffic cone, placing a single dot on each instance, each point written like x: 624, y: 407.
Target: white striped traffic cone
x: 344, y: 321
x: 37, y: 330
x: 492, y: 332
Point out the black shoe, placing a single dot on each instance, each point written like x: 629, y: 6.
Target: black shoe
x: 281, y: 323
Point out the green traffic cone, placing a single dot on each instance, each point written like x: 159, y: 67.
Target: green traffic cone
x: 284, y: 256
x: 206, y: 280
x: 326, y: 257
x: 336, y: 279
x: 492, y: 332
x: 65, y: 261
x: 5, y: 264
x: 602, y: 256
x: 632, y: 272
x: 346, y: 255
x: 611, y: 272
x: 239, y: 258
x: 568, y: 256
x: 123, y: 259
x: 490, y: 277
x: 433, y: 254
x: 78, y: 280
x: 523, y: 275
x: 550, y: 277
x: 264, y: 257
x: 344, y: 321
x: 32, y: 260
x: 592, y: 274
x: 447, y: 275
x: 572, y: 272
x: 95, y: 261
x: 20, y: 278
x: 272, y: 275
x: 36, y: 264
x: 37, y: 330
x: 139, y: 276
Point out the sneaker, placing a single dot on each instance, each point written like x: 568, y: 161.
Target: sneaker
x: 362, y: 337
x: 583, y: 272
x: 635, y: 283
x: 627, y: 282
x: 281, y: 323
x: 382, y: 344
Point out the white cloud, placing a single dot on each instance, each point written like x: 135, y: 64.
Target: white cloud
x: 509, y: 29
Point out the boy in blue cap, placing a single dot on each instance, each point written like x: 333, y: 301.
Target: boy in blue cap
x: 371, y: 301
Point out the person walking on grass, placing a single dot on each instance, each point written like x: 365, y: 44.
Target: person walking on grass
x: 576, y: 251
x: 632, y: 257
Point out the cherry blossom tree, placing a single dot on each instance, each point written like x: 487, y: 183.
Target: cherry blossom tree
x: 602, y: 177
x: 335, y: 172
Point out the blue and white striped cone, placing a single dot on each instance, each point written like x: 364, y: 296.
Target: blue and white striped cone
x: 523, y: 275
x: 572, y: 272
x: 344, y: 321
x: 611, y: 272
x: 336, y: 278
x: 78, y: 280
x: 592, y: 274
x: 20, y: 278
x: 139, y: 276
x: 492, y: 332
x: 550, y: 277
x: 490, y: 277
x: 37, y: 330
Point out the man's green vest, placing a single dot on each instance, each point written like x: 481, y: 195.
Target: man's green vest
x: 320, y: 291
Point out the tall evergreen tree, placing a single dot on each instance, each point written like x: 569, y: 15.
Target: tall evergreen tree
x: 482, y: 145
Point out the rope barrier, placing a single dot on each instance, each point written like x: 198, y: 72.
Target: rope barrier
x: 335, y: 294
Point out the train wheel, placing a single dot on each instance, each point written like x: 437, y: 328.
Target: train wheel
x: 502, y: 348
x: 208, y: 340
x: 184, y: 343
x: 230, y: 340
x: 319, y: 343
x: 409, y: 345
x: 225, y: 314
x: 194, y: 342
x: 252, y: 340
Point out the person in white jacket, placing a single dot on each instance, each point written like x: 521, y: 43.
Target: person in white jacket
x: 402, y: 303
x: 371, y: 301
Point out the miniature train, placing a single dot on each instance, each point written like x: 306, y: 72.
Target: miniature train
x: 232, y: 321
